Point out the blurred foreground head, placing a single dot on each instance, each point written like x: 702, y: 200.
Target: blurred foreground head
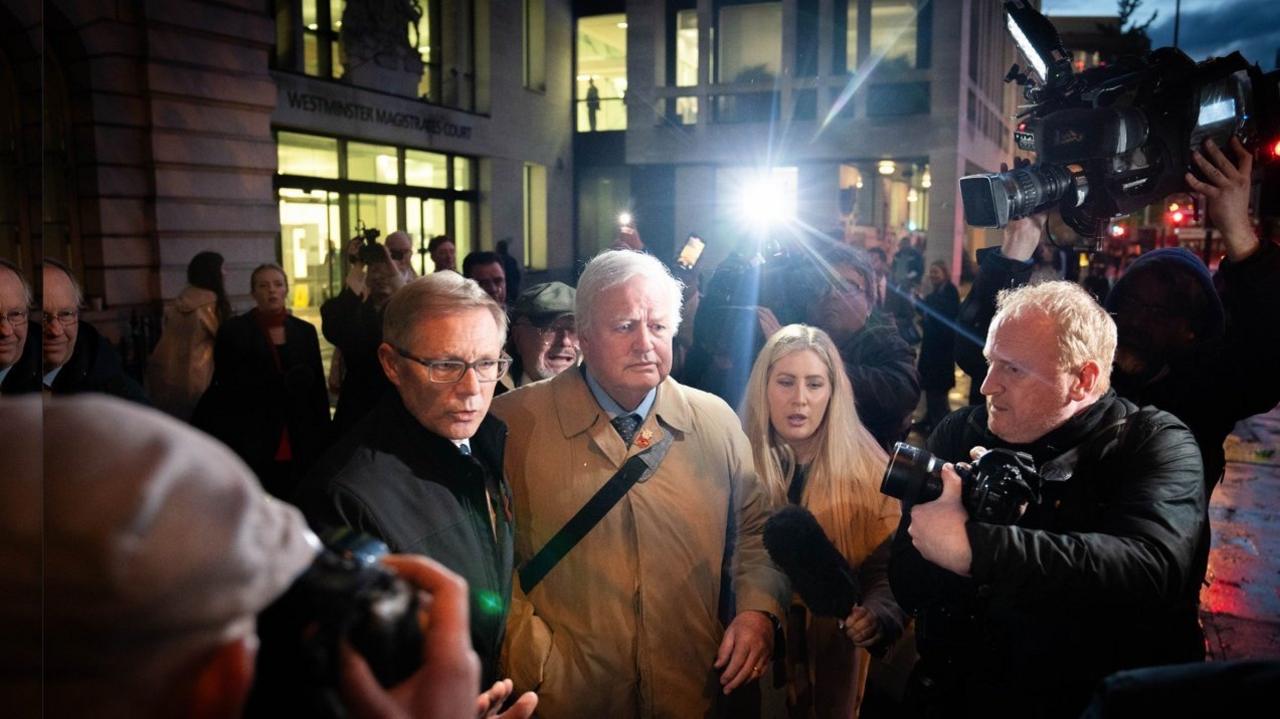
x: 160, y: 548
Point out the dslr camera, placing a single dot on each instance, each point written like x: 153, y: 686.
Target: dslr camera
x: 993, y: 489
x: 1114, y: 138
x: 345, y: 595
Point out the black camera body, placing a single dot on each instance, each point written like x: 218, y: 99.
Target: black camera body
x: 994, y: 489
x: 1115, y: 138
x: 345, y: 595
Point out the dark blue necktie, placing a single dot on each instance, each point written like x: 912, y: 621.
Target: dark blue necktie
x: 626, y: 424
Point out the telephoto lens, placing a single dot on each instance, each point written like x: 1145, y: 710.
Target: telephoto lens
x: 913, y: 475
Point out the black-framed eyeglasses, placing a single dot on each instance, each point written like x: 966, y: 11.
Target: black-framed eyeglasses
x: 66, y: 318
x: 15, y: 318
x: 451, y: 371
x: 398, y: 255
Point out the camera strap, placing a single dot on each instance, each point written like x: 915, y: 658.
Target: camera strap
x: 636, y: 469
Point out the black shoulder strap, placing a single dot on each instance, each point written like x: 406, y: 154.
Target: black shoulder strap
x: 560, y: 544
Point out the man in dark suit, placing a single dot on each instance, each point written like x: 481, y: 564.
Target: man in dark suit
x: 423, y: 470
x: 19, y: 359
x: 76, y: 357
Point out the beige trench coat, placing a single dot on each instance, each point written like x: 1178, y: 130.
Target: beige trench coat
x: 627, y: 625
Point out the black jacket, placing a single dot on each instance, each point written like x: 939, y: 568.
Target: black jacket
x: 94, y: 366
x: 249, y: 401
x: 1091, y: 580
x: 1222, y: 383
x: 886, y: 386
x: 355, y: 327
x: 395, y: 480
x: 24, y: 375
x: 937, y: 349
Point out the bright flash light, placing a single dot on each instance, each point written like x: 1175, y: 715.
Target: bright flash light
x: 624, y: 218
x: 1178, y: 217
x: 769, y: 198
x: 1117, y: 230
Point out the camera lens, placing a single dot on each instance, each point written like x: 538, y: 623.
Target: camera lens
x: 913, y: 475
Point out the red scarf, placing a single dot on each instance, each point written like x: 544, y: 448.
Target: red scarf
x: 266, y: 322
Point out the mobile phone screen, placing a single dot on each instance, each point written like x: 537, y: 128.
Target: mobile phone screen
x: 690, y: 253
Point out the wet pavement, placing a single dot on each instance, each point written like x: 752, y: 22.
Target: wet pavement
x: 1240, y: 604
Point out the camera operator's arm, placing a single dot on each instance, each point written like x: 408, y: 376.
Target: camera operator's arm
x: 445, y: 684
x: 1227, y: 191
x: 998, y: 269
x: 1139, y: 549
x: 1243, y: 379
x: 340, y: 318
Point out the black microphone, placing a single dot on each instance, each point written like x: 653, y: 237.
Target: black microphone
x: 818, y: 572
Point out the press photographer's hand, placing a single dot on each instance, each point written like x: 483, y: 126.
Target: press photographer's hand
x: 445, y: 685
x: 938, y: 528
x: 862, y: 627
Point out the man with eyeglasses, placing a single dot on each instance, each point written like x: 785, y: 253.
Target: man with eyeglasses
x: 19, y: 359
x: 544, y: 334
x: 76, y: 357
x: 880, y: 364
x: 423, y: 471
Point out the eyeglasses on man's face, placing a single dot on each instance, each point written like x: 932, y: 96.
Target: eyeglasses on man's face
x: 15, y: 318
x: 399, y: 255
x: 66, y: 318
x: 451, y: 371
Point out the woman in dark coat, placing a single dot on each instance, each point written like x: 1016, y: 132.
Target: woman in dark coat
x: 268, y: 399
x: 937, y: 348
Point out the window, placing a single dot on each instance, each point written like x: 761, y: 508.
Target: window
x: 686, y: 43
x: 307, y: 155
x: 749, y: 43
x: 309, y: 39
x: 892, y: 195
x: 535, y: 42
x: 372, y: 163
x: 601, y: 78
x: 535, y: 216
x: 893, y: 33
x: 426, y: 169
x: 327, y: 187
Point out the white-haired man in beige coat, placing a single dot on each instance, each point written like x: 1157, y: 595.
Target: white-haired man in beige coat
x: 669, y: 602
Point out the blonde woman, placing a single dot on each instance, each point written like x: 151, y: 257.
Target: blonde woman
x: 811, y: 449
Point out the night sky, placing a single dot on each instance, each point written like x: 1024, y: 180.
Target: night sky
x: 1209, y: 27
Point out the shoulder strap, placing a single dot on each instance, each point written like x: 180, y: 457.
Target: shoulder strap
x: 636, y: 469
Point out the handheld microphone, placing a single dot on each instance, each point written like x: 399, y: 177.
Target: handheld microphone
x: 818, y: 572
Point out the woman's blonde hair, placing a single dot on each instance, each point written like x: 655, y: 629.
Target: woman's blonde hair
x: 842, y: 486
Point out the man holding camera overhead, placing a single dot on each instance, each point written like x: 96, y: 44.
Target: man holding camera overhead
x: 1093, y: 576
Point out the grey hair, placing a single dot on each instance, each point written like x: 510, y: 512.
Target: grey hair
x: 615, y: 267
x: 75, y: 286
x: 26, y: 286
x: 438, y: 293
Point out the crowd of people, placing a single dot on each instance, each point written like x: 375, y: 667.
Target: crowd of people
x: 559, y: 468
